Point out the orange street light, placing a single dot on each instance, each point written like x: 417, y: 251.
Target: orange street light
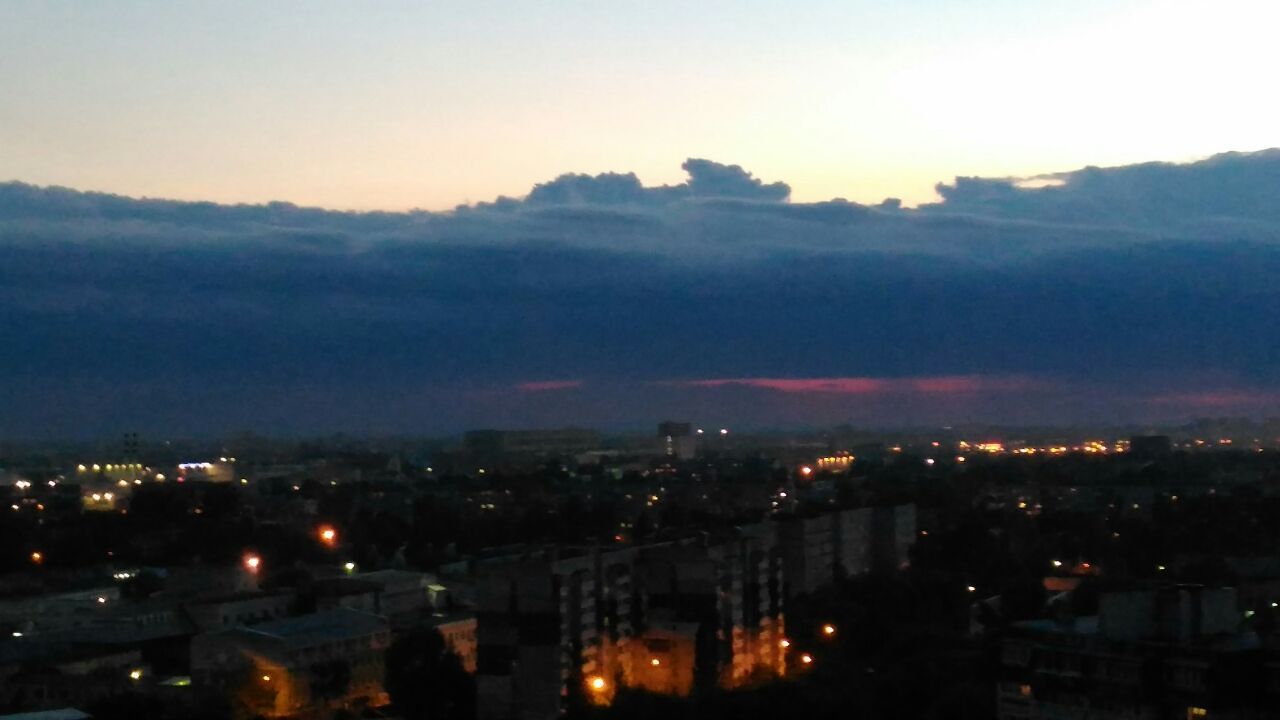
x: 328, y: 535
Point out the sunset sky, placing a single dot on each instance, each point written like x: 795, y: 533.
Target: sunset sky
x: 631, y: 216
x: 396, y: 105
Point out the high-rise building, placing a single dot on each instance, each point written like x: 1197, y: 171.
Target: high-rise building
x: 677, y: 439
x: 557, y: 629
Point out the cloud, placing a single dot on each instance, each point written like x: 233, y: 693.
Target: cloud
x: 712, y: 180
x: 1231, y: 192
x: 707, y: 180
x: 985, y: 304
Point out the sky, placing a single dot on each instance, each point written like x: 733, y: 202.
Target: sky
x: 629, y: 212
x: 1136, y: 294
x: 398, y: 105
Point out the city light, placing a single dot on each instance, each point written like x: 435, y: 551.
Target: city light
x: 328, y: 535
x: 252, y: 562
x: 135, y: 674
x: 828, y: 629
x: 37, y: 558
x: 806, y: 470
x: 806, y: 658
x: 349, y: 567
x: 266, y: 678
x: 655, y: 662
x: 972, y: 589
x: 784, y: 643
x: 598, y: 684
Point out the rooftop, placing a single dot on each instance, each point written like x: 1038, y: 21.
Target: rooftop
x: 63, y: 714
x: 321, y: 627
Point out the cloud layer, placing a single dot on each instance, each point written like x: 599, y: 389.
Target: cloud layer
x: 1108, y: 294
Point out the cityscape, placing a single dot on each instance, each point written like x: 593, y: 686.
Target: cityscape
x: 636, y: 360
x: 694, y: 571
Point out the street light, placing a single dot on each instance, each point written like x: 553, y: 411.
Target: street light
x: 328, y: 535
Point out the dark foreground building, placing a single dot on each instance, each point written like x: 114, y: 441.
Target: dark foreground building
x: 1173, y: 653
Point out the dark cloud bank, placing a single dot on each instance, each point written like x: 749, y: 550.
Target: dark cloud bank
x: 1146, y: 292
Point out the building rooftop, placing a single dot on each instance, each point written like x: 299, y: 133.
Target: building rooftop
x: 318, y: 628
x: 242, y: 595
x: 63, y: 714
x: 390, y: 577
x: 438, y: 619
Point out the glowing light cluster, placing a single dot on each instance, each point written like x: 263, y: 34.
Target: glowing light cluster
x: 838, y: 461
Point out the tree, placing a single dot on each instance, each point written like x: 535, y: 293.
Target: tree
x: 251, y: 694
x: 330, y: 680
x: 425, y: 679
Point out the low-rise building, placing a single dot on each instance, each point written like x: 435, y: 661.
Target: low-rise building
x: 459, y: 633
x: 247, y: 608
x: 286, y: 667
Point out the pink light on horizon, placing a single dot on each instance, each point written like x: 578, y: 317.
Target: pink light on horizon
x: 548, y: 385
x: 1218, y: 399
x: 843, y: 386
x: 929, y: 385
